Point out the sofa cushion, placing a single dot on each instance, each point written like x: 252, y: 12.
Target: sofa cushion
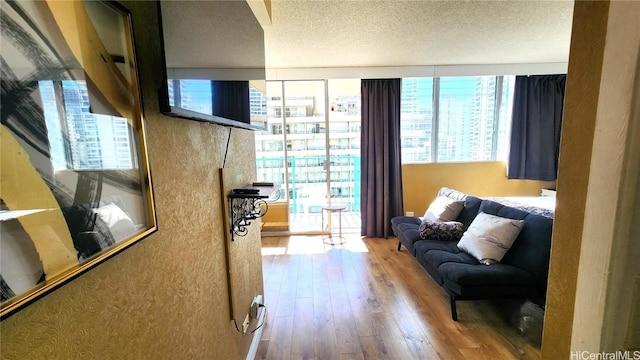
x: 531, y: 249
x: 448, y: 230
x: 443, y: 209
x: 468, y: 281
x: 431, y: 254
x: 466, y: 274
x: 489, y: 237
x: 406, y: 230
x: 470, y: 210
x: 405, y: 220
x: 423, y: 246
x: 408, y: 234
x: 439, y: 257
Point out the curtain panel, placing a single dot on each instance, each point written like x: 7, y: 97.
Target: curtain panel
x: 538, y: 102
x: 230, y: 99
x: 381, y: 185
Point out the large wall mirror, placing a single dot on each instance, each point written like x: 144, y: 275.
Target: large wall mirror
x: 75, y: 182
x: 216, y: 73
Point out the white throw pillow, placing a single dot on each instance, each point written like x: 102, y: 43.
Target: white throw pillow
x: 119, y: 223
x: 443, y: 209
x: 489, y: 237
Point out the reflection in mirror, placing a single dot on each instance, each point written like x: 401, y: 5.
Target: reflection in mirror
x: 75, y: 179
x: 221, y: 82
x: 243, y: 101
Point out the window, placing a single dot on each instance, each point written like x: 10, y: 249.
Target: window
x: 79, y: 138
x: 208, y: 96
x: 416, y: 119
x: 195, y: 95
x: 455, y: 118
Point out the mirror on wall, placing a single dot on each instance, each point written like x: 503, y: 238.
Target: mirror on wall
x: 216, y: 73
x: 75, y: 187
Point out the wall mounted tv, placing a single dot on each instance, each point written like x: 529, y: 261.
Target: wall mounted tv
x: 215, y: 67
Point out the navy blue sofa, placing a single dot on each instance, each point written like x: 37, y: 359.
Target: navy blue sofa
x: 522, y: 273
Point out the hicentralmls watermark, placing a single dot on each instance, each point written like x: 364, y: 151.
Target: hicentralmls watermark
x: 615, y: 355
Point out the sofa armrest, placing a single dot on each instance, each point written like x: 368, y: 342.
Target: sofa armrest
x: 406, y: 219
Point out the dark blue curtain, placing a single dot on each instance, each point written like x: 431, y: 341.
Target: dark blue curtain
x: 230, y: 100
x: 381, y: 185
x: 538, y: 102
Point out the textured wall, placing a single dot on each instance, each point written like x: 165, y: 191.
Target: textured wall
x: 421, y: 182
x: 166, y: 297
x: 608, y: 263
x: 581, y: 105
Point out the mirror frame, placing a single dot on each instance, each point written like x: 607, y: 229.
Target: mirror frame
x: 86, y: 44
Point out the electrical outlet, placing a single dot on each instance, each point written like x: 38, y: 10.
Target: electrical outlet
x: 255, y: 305
x: 410, y: 213
x: 245, y: 324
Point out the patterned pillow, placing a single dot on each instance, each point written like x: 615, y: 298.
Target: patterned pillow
x: 443, y: 231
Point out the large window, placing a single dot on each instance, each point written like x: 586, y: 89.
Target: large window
x: 416, y: 119
x: 78, y: 138
x: 455, y: 118
x: 312, y: 143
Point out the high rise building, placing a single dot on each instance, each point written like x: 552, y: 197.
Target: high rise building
x: 297, y: 131
x: 88, y: 140
x: 471, y: 124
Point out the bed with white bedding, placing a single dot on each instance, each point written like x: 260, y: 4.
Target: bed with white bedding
x: 540, y: 205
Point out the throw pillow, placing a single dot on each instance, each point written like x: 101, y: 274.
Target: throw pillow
x: 443, y: 209
x: 489, y: 237
x: 444, y: 231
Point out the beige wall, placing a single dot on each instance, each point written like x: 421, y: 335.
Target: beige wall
x: 277, y: 218
x: 421, y: 182
x: 165, y: 297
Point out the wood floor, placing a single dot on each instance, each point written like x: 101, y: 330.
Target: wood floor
x: 366, y: 300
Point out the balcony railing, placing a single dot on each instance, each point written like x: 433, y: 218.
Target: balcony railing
x: 306, y: 188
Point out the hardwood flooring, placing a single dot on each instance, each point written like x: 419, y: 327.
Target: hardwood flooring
x: 366, y: 300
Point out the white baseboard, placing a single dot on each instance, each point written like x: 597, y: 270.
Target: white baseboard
x: 255, y: 342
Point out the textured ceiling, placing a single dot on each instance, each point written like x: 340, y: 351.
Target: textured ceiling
x: 327, y: 33
x: 366, y: 33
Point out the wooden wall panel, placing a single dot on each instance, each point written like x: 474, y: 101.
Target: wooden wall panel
x: 581, y: 104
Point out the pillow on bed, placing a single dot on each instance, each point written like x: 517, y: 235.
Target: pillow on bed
x: 443, y: 209
x: 489, y: 237
x: 443, y: 231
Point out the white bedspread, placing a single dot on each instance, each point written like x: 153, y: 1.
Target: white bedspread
x: 541, y: 205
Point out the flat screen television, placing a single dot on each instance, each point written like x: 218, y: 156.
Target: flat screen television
x: 215, y: 66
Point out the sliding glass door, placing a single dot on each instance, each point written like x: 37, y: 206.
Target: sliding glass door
x: 312, y: 147
x: 304, y: 113
x: 344, y: 147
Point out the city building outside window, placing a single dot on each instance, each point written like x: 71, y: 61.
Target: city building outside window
x: 470, y: 117
x: 81, y: 139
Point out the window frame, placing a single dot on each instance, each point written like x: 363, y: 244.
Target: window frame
x: 433, y: 156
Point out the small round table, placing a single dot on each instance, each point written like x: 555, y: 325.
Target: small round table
x: 330, y: 209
